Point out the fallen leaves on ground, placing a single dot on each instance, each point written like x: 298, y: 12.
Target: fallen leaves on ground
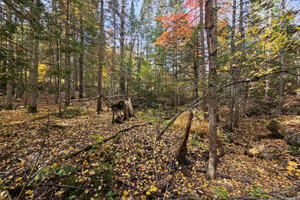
x: 133, y: 165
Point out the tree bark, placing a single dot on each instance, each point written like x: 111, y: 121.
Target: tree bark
x: 81, y: 58
x: 211, y: 29
x: 203, y: 71
x: 114, y: 52
x: 196, y: 68
x: 67, y: 59
x: 237, y: 93
x: 10, y: 67
x: 268, y: 58
x: 8, y: 100
x: 101, y: 56
x: 280, y: 103
x: 232, y: 70
x: 122, y: 39
x: 130, y: 108
x: 33, y: 71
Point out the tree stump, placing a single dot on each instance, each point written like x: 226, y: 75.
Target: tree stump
x: 130, y: 108
x: 123, y: 111
x: 182, y: 150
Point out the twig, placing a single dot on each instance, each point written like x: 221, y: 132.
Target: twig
x: 67, y: 186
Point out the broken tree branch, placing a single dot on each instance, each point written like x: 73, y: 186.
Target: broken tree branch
x: 88, y: 147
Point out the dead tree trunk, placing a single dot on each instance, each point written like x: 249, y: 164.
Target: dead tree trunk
x: 122, y: 109
x: 182, y: 150
x: 211, y: 24
x: 130, y: 108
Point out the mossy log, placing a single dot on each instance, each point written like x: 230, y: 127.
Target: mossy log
x: 277, y: 130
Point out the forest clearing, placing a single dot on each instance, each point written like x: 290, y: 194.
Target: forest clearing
x: 149, y: 99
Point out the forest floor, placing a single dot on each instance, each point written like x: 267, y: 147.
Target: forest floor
x: 134, y: 165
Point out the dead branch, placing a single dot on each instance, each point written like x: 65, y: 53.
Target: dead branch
x: 88, y: 147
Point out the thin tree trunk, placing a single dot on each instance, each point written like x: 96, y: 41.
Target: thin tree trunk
x: 138, y: 62
x: 81, y: 59
x: 268, y: 57
x: 176, y: 81
x: 101, y: 56
x: 280, y: 103
x: 75, y: 73
x: 237, y: 92
x: 114, y: 53
x: 232, y: 70
x: 59, y: 69
x: 211, y: 28
x: 10, y: 67
x: 298, y: 78
x: 122, y: 39
x: 8, y: 100
x: 196, y: 67
x: 202, y: 46
x: 67, y: 59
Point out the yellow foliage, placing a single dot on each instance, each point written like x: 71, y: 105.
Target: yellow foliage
x: 42, y: 71
x: 28, y: 192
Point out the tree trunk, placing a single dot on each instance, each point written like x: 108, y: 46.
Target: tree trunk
x: 126, y: 113
x: 232, y: 70
x: 122, y: 39
x: 33, y: 77
x: 81, y: 59
x: 130, y: 108
x: 59, y: 76
x: 182, y: 149
x: 211, y: 29
x: 176, y: 81
x: 10, y: 67
x: 67, y: 59
x: 196, y: 67
x: 75, y: 73
x: 114, y: 52
x: 8, y: 100
x: 237, y: 93
x: 268, y: 58
x: 280, y: 103
x: 203, y: 71
x: 101, y: 56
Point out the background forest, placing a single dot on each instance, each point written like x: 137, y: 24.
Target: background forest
x: 216, y: 70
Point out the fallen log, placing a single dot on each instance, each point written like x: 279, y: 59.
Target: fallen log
x: 88, y: 147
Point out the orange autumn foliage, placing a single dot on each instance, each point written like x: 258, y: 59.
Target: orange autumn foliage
x: 180, y: 26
